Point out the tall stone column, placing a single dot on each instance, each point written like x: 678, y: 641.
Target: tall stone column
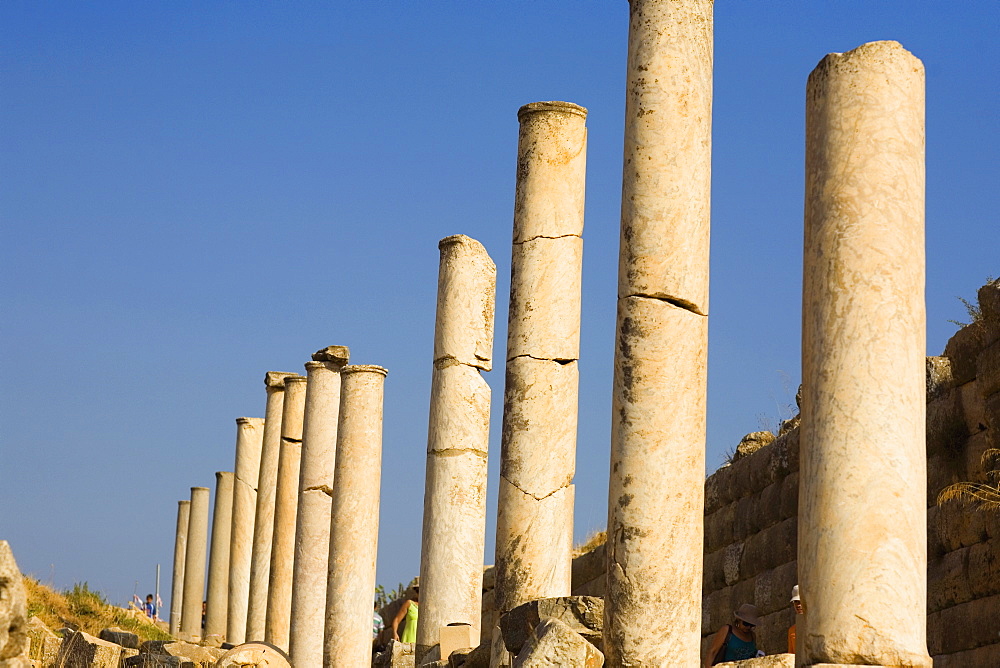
x: 534, y: 542
x: 194, y: 564
x: 312, y: 530
x: 216, y: 609
x: 249, y: 435
x: 354, y: 518
x: 286, y: 502
x: 180, y: 553
x: 267, y: 483
x: 862, y: 546
x: 656, y: 495
x: 454, y: 528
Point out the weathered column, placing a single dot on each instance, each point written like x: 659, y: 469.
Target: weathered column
x: 862, y: 546
x: 534, y: 545
x: 286, y: 502
x: 194, y: 564
x: 249, y: 434
x: 267, y: 483
x: 177, y: 579
x: 656, y: 495
x: 218, y: 560
x: 454, y: 528
x: 312, y: 529
x: 354, y: 518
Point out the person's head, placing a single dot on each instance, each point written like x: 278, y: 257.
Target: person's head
x: 416, y: 593
x: 149, y: 598
x: 796, y: 601
x: 746, y: 617
x: 415, y: 589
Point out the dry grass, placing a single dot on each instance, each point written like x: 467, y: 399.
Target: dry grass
x: 594, y: 540
x: 84, y: 609
x: 981, y: 496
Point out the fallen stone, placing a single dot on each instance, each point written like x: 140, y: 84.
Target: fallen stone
x: 81, y: 650
x: 152, y: 661
x: 582, y: 614
x: 120, y: 637
x: 248, y: 654
x: 206, y: 656
x: 395, y: 655
x: 14, y: 642
x: 44, y: 643
x: 553, y: 643
x: 477, y: 658
x: 771, y: 661
x: 460, y: 657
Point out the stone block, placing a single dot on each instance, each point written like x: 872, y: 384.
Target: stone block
x: 120, y: 637
x: 770, y: 661
x: 151, y: 661
x: 984, y: 569
x: 989, y: 309
x: 713, y: 571
x: 395, y: 655
x: 948, y: 580
x: 939, y: 377
x: 973, y: 407
x: 205, y: 656
x: 963, y: 627
x: 962, y: 350
x: 477, y: 658
x: 717, y: 610
x: 942, y: 470
x: 770, y: 548
x: 790, y: 496
x: 954, y: 525
x: 720, y: 528
x: 946, y: 427
x: 596, y: 587
x: 988, y: 370
x: 581, y: 614
x: 457, y: 637
x: 264, y: 655
x: 553, y: 643
x: 751, y: 443
x: 988, y: 655
x: 44, y: 643
x: 589, y: 566
x: 14, y: 641
x: 81, y: 650
x: 772, y: 589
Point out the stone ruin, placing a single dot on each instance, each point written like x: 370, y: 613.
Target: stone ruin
x: 841, y: 501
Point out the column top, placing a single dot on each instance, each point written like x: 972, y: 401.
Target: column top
x: 276, y: 379
x: 356, y: 368
x: 338, y: 355
x: 219, y: 474
x: 459, y: 239
x: 873, y: 54
x: 249, y: 420
x: 294, y: 378
x: 565, y: 107
x: 183, y: 501
x: 199, y: 488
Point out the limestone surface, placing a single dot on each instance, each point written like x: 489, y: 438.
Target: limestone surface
x: 80, y: 650
x: 194, y: 564
x: 267, y: 484
x: 466, y: 288
x: 249, y: 435
x: 256, y: 654
x: 581, y: 614
x: 862, y: 544
x: 552, y: 643
x: 286, y: 503
x: 180, y: 552
x: 354, y: 518
x: 312, y: 530
x: 14, y: 641
x: 217, y: 600
x: 655, y: 496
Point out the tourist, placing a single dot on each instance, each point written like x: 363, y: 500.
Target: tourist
x: 149, y: 607
x: 736, y: 641
x: 409, y: 610
x: 797, y: 607
x: 378, y: 625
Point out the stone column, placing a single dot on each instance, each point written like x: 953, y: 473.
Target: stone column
x: 180, y: 552
x: 312, y: 530
x: 454, y: 528
x: 249, y: 434
x: 354, y: 518
x: 267, y: 483
x: 218, y: 560
x: 862, y: 546
x: 194, y: 564
x: 286, y: 502
x: 656, y: 494
x: 534, y: 544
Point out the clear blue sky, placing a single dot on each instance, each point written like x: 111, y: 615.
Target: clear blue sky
x: 195, y: 193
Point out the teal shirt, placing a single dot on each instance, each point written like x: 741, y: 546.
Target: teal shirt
x: 737, y: 649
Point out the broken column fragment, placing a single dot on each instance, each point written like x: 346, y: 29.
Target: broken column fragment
x: 862, y: 542
x: 354, y: 518
x: 312, y: 531
x: 194, y: 564
x: 286, y: 502
x: 454, y: 524
x: 249, y: 434
x: 14, y: 640
x: 267, y: 482
x: 656, y: 495
x: 217, y: 601
x: 177, y: 578
x: 534, y: 540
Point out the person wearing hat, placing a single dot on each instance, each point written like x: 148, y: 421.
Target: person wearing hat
x: 409, y: 609
x: 797, y: 607
x: 736, y: 641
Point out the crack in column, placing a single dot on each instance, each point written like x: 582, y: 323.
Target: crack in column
x: 527, y: 493
x: 326, y: 489
x: 673, y: 301
x: 546, y: 236
x: 557, y: 360
x: 451, y: 452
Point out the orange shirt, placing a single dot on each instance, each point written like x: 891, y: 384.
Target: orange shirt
x: 791, y: 639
